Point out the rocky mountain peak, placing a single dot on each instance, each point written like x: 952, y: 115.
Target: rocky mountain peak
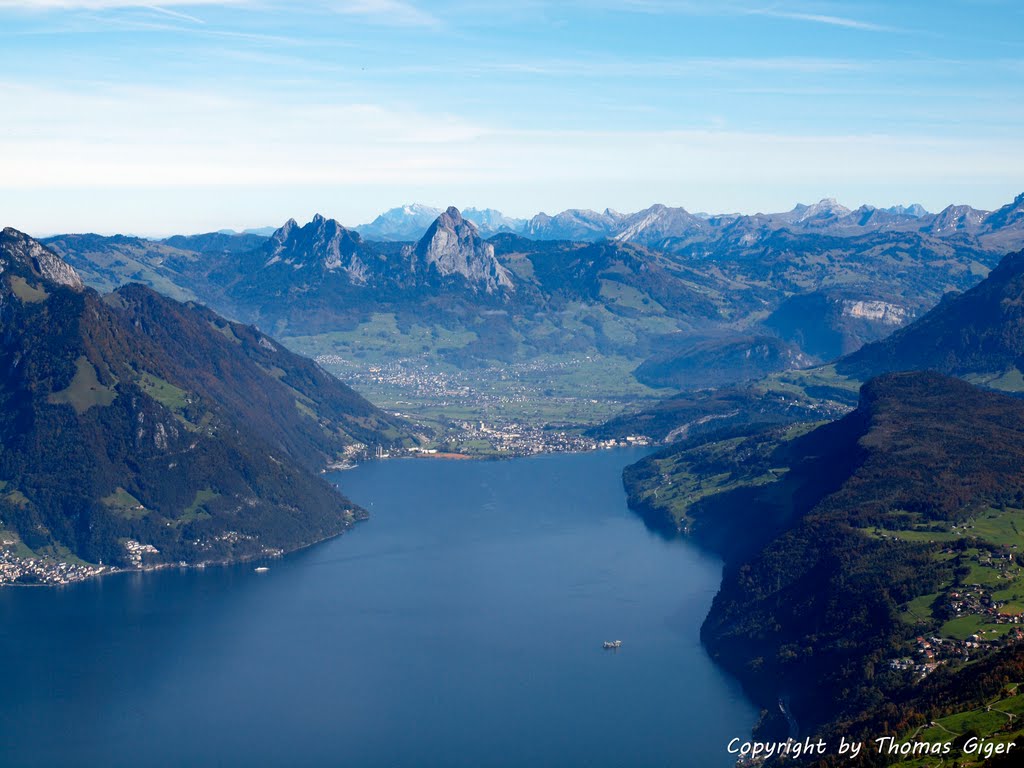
x: 915, y: 210
x: 573, y: 224
x: 825, y: 206
x: 285, y: 231
x: 1010, y: 215
x: 453, y: 246
x: 24, y: 254
x: 655, y: 224
x: 453, y: 217
x: 956, y: 218
x: 322, y: 244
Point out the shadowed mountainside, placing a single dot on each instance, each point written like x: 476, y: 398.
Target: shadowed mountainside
x: 132, y: 416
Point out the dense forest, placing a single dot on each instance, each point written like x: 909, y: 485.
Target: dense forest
x: 135, y: 417
x: 812, y: 592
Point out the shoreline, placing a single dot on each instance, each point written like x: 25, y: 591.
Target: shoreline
x: 659, y: 522
x: 114, y: 571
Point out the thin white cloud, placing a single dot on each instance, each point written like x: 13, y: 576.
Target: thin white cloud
x: 668, y: 67
x: 820, y: 18
x: 726, y: 8
x: 387, y: 12
x: 174, y: 14
x: 401, y: 13
x: 102, y: 5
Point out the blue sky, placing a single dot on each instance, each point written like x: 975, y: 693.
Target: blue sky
x: 190, y: 116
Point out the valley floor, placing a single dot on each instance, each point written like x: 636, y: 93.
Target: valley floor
x: 540, y: 406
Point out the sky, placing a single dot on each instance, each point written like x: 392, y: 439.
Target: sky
x: 191, y: 116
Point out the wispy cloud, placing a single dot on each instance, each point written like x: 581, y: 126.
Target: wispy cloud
x: 675, y: 67
x: 727, y: 8
x: 387, y: 12
x: 820, y: 18
x: 174, y: 14
x: 102, y: 5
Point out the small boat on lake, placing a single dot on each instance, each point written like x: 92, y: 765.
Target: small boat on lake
x: 261, y: 569
x: 610, y: 645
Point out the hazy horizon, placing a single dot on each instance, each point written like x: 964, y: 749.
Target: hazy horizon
x: 196, y: 115
x: 277, y: 223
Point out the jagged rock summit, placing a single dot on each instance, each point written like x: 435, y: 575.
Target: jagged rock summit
x: 453, y: 246
x: 20, y: 252
x: 323, y: 244
x: 1010, y: 215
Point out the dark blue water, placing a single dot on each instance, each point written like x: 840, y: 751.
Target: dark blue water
x: 461, y: 626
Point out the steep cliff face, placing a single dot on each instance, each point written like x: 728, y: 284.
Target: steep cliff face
x: 23, y: 254
x: 980, y: 331
x: 322, y: 269
x: 833, y: 322
x: 453, y: 246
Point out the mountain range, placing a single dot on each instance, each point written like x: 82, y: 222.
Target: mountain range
x: 668, y: 227
x: 976, y: 335
x: 131, y: 417
x: 821, y: 280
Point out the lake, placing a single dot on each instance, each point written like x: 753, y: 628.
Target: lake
x: 460, y: 626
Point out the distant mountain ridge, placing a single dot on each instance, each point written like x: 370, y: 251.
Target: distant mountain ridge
x: 667, y: 276
x: 408, y: 223
x: 677, y: 230
x: 403, y: 224
x: 672, y: 289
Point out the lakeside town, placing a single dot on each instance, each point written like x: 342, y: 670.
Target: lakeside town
x: 511, y: 439
x: 41, y: 571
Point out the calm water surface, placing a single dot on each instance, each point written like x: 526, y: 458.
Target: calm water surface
x: 461, y: 626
